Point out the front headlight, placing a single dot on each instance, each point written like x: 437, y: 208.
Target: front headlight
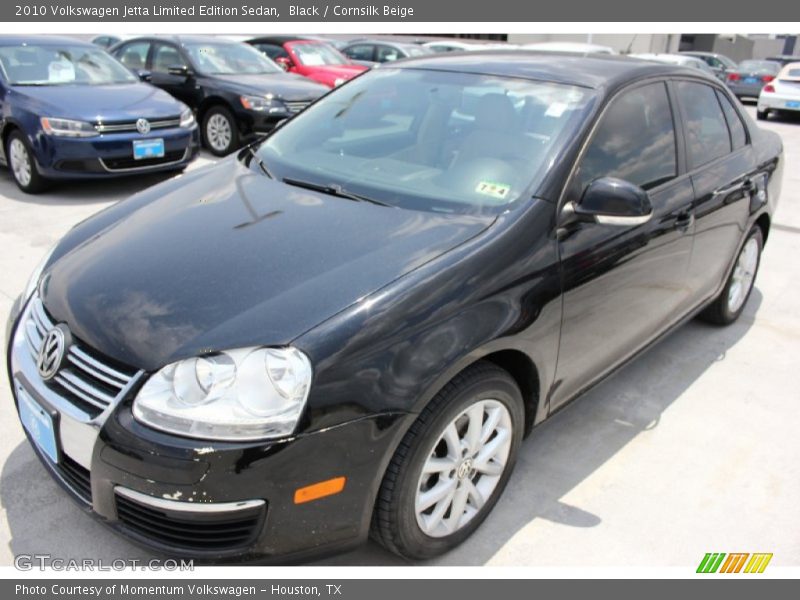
x: 36, y: 275
x: 236, y: 395
x: 187, y: 118
x: 257, y: 103
x: 67, y: 127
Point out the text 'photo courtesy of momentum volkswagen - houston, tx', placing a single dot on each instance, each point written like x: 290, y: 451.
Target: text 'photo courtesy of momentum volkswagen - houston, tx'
x: 390, y: 291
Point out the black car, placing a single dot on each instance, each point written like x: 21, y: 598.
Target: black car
x: 352, y: 328
x: 235, y: 90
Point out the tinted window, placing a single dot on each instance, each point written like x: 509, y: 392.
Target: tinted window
x: 707, y: 135
x: 272, y: 51
x: 166, y: 56
x: 359, y: 52
x: 387, y: 54
x: 635, y: 140
x: 735, y: 125
x: 134, y: 56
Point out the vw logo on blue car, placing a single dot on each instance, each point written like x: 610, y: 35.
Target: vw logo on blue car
x: 143, y: 126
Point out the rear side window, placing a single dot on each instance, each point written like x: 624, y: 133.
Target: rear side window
x: 360, y: 52
x: 735, y: 125
x: 635, y: 140
x: 707, y: 135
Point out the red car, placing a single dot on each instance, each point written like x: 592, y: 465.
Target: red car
x: 312, y: 58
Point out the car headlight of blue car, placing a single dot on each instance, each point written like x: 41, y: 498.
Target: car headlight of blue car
x: 67, y: 127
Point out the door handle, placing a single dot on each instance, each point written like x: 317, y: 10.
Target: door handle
x: 684, y: 221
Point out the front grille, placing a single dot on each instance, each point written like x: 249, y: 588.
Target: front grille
x: 296, y: 106
x: 90, y: 382
x: 122, y: 126
x: 192, y: 531
x: 122, y: 164
x: 76, y: 477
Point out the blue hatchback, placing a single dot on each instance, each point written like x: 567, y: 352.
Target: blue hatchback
x: 70, y: 110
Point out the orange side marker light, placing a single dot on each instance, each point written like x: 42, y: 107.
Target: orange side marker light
x: 315, y: 491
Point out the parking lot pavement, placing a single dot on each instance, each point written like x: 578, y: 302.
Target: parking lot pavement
x: 693, y: 448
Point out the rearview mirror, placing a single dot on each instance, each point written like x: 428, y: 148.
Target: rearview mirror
x: 284, y: 62
x: 179, y: 70
x: 612, y: 201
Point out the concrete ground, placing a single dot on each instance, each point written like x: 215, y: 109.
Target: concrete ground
x: 693, y: 448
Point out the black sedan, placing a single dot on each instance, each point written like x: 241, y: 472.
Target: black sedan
x: 236, y: 92
x: 351, y: 327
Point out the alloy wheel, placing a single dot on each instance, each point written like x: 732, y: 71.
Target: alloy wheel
x: 463, y: 468
x: 743, y: 275
x: 219, y: 132
x: 20, y: 162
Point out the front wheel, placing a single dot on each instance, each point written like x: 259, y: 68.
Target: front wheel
x: 220, y: 134
x: 452, y: 465
x: 730, y: 303
x: 22, y: 164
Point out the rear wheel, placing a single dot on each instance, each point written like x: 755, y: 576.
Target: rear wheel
x: 22, y: 164
x: 219, y: 131
x: 452, y: 466
x: 731, y: 302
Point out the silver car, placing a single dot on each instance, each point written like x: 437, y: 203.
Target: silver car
x: 750, y: 76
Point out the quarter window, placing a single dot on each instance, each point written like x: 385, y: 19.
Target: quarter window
x: 635, y: 140
x: 707, y: 135
x: 735, y: 125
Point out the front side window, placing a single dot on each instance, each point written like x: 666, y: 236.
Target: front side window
x: 359, y: 52
x: 272, y: 51
x: 634, y: 141
x: 61, y: 65
x: 134, y: 55
x: 387, y: 54
x: 431, y: 140
x: 315, y: 55
x: 166, y: 56
x: 707, y: 136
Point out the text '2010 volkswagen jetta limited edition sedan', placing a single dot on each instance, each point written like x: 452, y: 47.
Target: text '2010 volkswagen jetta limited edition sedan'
x: 350, y: 327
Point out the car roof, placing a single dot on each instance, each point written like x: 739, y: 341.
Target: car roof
x: 589, y: 70
x: 282, y: 39
x: 41, y: 40
x: 185, y: 39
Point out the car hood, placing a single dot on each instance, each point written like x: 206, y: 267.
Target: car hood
x: 101, y: 102
x: 234, y: 259
x: 285, y: 85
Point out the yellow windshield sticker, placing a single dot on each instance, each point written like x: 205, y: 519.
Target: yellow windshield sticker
x: 493, y: 189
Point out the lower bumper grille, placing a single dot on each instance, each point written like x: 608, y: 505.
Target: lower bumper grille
x: 209, y: 531
x: 76, y: 477
x: 128, y: 163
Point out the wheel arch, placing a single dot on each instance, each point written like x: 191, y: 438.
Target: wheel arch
x: 764, y: 223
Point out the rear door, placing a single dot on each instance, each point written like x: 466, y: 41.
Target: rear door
x: 622, y: 286
x: 721, y: 167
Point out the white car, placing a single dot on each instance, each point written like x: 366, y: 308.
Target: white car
x: 782, y: 93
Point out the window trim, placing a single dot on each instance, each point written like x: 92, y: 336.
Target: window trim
x: 598, y: 118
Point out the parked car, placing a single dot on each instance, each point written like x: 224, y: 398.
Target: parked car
x: 461, y: 46
x: 677, y: 59
x: 719, y: 63
x: 314, y: 59
x: 782, y: 94
x: 750, y: 76
x: 416, y: 283
x: 784, y: 59
x: 381, y: 51
x: 235, y: 91
x: 569, y: 47
x: 69, y: 110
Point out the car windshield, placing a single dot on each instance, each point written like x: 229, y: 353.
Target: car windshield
x: 759, y: 66
x: 729, y: 64
x: 318, y: 54
x: 27, y: 64
x: 230, y: 59
x: 430, y: 140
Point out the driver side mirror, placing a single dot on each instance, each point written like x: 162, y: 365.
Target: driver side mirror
x: 144, y: 75
x: 284, y: 62
x: 610, y: 201
x: 179, y: 70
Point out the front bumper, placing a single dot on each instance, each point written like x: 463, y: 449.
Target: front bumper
x: 775, y: 101
x: 220, y: 501
x: 111, y: 154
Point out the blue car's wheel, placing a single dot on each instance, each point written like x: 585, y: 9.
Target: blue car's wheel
x: 22, y: 164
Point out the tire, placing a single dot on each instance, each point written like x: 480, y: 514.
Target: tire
x: 727, y: 307
x: 762, y: 115
x: 22, y: 164
x: 491, y: 393
x: 220, y: 134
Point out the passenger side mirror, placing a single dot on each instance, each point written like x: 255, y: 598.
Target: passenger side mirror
x: 179, y: 70
x: 284, y: 62
x: 144, y: 75
x: 611, y: 201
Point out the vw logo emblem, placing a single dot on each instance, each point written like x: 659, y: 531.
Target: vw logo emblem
x: 143, y: 126
x: 51, y: 354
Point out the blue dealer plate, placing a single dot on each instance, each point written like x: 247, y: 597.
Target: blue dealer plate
x: 793, y: 104
x: 39, y: 424
x: 751, y: 79
x: 148, y: 149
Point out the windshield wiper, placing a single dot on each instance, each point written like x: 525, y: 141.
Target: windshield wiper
x: 261, y: 164
x: 333, y: 190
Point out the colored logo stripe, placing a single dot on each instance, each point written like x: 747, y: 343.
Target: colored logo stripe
x: 734, y: 562
x: 711, y: 562
x: 758, y: 563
